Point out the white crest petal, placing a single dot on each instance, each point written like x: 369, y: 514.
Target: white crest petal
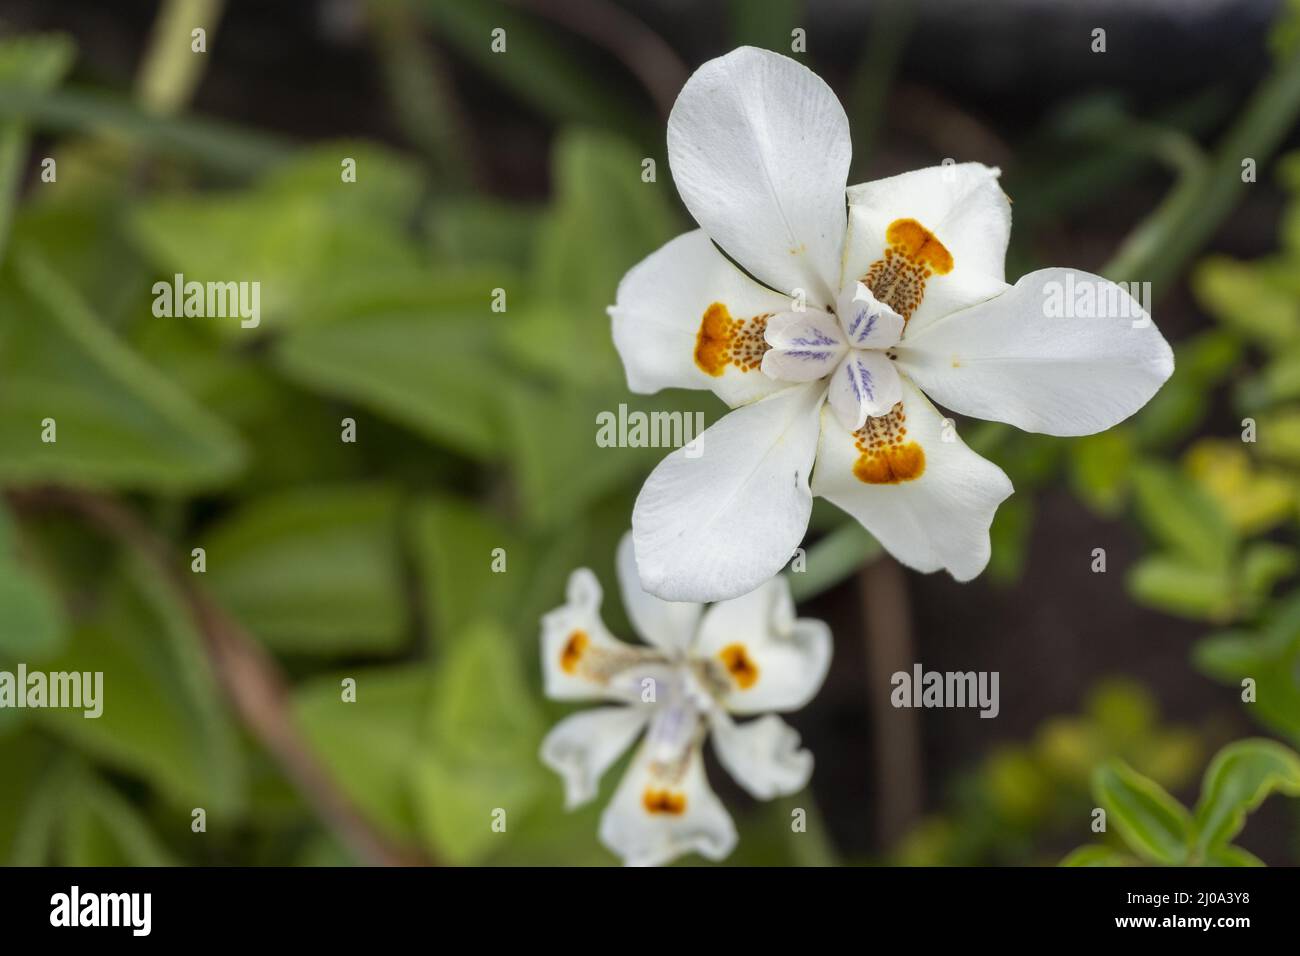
x: 805, y: 346
x: 865, y: 385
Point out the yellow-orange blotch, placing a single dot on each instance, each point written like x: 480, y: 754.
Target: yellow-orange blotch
x: 919, y: 244
x: 663, y: 801
x: 713, y: 342
x: 723, y: 341
x: 885, y: 457
x: 739, y: 665
x: 574, y: 648
x: 890, y: 465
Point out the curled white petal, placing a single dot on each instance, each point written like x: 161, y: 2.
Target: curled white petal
x: 582, y: 746
x: 768, y: 659
x: 763, y: 755
x: 660, y: 813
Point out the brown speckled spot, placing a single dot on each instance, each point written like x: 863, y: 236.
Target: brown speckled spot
x: 912, y: 256
x: 885, y: 458
x: 723, y: 341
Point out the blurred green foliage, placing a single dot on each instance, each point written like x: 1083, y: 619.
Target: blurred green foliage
x: 474, y: 432
x: 1154, y: 828
x: 1024, y: 797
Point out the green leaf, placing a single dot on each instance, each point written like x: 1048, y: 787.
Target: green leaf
x: 301, y: 233
x: 1203, y: 361
x: 32, y: 626
x: 545, y: 73
x: 370, y: 745
x: 1279, y: 435
x: 24, y: 757
x: 597, y: 180
x: 313, y: 570
x: 1100, y: 469
x: 1263, y: 564
x: 1253, y: 499
x: 1009, y: 535
x: 292, y: 436
x: 28, y: 63
x: 1155, y: 825
x: 485, y: 730
x: 163, y: 714
x: 1231, y: 856
x: 432, y: 372
x: 1180, y: 586
x: 561, y: 457
x: 1239, y: 779
x: 763, y: 23
x: 102, y: 828
x: 119, y: 422
x: 455, y: 550
x: 1231, y: 657
x: 474, y: 232
x: 1241, y: 296
x: 1183, y: 516
x: 1096, y: 855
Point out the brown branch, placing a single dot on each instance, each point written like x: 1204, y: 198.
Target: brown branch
x: 887, y: 623
x: 249, y: 675
x: 643, y: 51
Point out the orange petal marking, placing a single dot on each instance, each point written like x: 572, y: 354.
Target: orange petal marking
x: 912, y: 256
x: 885, y: 457
x: 573, y: 650
x: 663, y: 801
x: 723, y: 341
x: 739, y: 665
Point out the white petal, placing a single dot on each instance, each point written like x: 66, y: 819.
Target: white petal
x: 670, y: 625
x: 762, y: 755
x: 924, y: 495
x: 581, y: 747
x: 770, y: 660
x: 667, y: 310
x: 963, y: 204
x: 806, y: 346
x: 1018, y: 359
x: 928, y: 252
x: 721, y: 523
x: 865, y: 385
x: 661, y: 813
x: 759, y: 148
x: 581, y: 660
x: 868, y: 322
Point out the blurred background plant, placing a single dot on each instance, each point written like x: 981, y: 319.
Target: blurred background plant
x: 475, y: 430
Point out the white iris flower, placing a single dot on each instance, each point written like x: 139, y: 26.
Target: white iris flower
x: 698, y: 668
x: 859, y: 311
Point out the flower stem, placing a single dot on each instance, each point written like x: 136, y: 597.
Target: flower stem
x: 171, y: 70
